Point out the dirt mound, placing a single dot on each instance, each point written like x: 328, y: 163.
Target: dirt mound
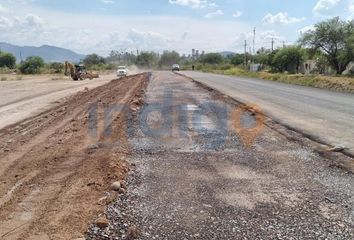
x: 55, y: 174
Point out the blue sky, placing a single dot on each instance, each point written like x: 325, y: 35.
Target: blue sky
x: 211, y: 25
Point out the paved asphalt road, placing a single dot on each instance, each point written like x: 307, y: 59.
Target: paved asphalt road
x: 326, y: 115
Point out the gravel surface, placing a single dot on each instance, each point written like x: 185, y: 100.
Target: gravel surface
x: 198, y: 183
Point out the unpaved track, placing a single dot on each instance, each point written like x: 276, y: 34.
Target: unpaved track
x: 25, y: 98
x: 52, y: 172
x: 199, y: 183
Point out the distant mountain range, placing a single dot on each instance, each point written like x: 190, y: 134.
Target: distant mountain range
x: 48, y: 53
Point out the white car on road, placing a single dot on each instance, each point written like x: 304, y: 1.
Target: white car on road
x: 122, y: 71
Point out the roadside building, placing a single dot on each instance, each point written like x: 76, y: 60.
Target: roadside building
x: 308, y: 67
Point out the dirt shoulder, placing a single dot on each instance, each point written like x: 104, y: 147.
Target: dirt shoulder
x: 34, y: 94
x: 55, y: 176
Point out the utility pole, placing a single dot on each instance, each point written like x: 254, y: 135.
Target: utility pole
x: 245, y: 52
x: 272, y: 44
x: 254, y: 41
x: 283, y: 44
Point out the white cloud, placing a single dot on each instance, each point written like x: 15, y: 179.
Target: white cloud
x: 237, y: 14
x: 214, y: 14
x: 351, y: 8
x: 263, y: 39
x: 5, y: 23
x: 28, y: 23
x: 282, y: 18
x: 325, y: 7
x: 101, y: 34
x: 269, y: 35
x: 192, y: 3
x: 306, y: 29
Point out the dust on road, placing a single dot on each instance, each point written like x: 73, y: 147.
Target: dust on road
x: 53, y: 173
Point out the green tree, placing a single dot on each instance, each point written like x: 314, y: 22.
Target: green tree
x: 93, y: 59
x: 122, y: 58
x: 169, y: 58
x: 264, y: 56
x: 288, y: 59
x: 212, y: 58
x: 147, y: 60
x: 7, y: 60
x: 32, y: 65
x: 336, y: 39
x: 237, y: 59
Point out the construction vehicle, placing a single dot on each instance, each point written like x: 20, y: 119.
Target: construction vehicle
x: 78, y: 72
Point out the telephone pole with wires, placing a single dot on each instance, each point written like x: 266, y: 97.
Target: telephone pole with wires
x: 254, y: 41
x: 245, y: 52
x: 272, y: 44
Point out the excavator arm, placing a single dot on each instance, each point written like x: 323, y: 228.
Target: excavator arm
x: 70, y: 68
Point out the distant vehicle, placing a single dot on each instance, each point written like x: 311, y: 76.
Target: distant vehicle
x: 122, y: 71
x: 175, y: 67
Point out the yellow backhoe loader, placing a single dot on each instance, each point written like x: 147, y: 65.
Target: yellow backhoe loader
x: 78, y: 72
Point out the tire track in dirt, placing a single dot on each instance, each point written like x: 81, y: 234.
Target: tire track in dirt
x: 53, y: 180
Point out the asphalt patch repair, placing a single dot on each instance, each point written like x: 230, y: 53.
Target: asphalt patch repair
x: 55, y: 176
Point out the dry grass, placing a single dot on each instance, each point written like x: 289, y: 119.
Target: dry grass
x: 10, y: 77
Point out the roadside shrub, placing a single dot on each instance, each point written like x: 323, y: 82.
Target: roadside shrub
x: 212, y: 58
x: 238, y: 59
x: 110, y: 67
x: 7, y: 60
x: 288, y: 59
x: 56, y: 67
x: 225, y: 67
x: 32, y: 65
x: 5, y: 70
x: 147, y: 60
